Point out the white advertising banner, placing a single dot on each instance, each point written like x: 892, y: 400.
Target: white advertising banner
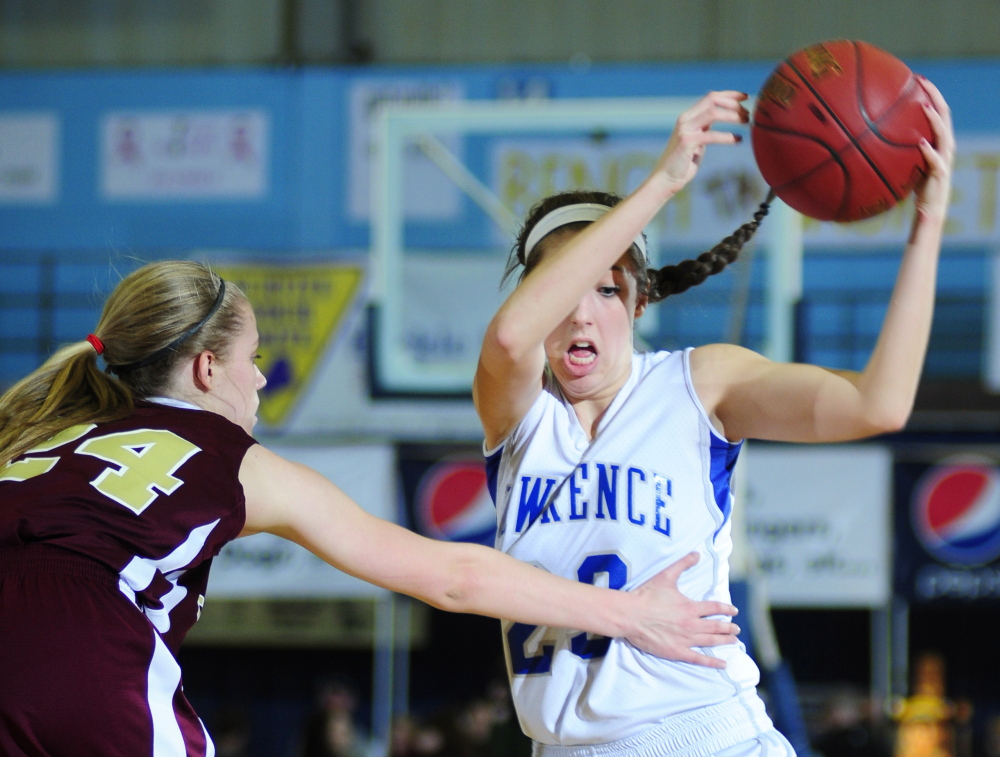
x: 29, y: 158
x: 723, y: 196
x: 185, y: 155
x: 447, y: 339
x: 265, y: 565
x: 819, y: 523
x: 991, y: 348
x: 728, y: 187
x: 428, y: 193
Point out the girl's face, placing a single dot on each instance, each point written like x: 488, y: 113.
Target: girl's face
x: 239, y: 379
x: 590, y: 352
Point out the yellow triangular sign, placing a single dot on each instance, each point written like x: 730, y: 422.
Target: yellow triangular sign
x: 298, y: 310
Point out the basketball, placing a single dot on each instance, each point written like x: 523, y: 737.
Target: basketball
x: 836, y: 130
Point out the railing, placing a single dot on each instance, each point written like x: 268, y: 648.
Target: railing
x: 48, y: 299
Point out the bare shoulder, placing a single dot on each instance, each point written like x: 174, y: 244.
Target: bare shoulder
x: 276, y: 488
x: 726, y: 362
x: 260, y: 473
x: 717, y: 367
x: 261, y: 467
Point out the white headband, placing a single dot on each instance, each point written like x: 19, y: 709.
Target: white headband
x: 581, y: 211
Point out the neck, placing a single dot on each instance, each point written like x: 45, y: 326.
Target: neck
x: 589, y: 414
x: 590, y: 409
x: 184, y: 389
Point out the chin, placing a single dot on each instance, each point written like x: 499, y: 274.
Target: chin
x: 578, y: 385
x: 572, y: 371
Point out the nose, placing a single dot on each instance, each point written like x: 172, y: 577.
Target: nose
x: 583, y: 312
x: 261, y: 381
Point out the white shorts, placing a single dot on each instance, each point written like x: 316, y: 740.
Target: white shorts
x: 768, y: 744
x: 738, y: 727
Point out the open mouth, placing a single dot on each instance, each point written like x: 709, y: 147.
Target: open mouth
x: 582, y: 353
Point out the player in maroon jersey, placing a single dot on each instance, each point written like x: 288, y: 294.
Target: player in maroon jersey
x: 117, y: 491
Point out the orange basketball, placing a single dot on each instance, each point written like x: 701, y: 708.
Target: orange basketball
x: 836, y: 130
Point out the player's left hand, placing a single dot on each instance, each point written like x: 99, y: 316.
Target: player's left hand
x: 673, y: 624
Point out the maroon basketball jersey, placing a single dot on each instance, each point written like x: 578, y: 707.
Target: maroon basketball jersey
x: 153, y: 497
x: 107, y: 533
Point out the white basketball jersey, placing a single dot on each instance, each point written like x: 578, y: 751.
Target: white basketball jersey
x: 652, y: 486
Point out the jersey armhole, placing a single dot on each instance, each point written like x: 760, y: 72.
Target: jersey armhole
x: 494, y: 454
x: 689, y: 383
x: 241, y: 506
x: 493, y: 471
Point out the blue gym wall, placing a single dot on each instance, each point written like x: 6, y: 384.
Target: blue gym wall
x: 305, y: 207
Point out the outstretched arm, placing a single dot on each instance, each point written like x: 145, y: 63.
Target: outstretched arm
x: 508, y: 377
x: 750, y: 396
x: 295, y: 502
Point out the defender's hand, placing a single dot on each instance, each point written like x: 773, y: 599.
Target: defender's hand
x: 672, y: 624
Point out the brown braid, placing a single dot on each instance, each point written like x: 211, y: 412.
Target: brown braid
x: 674, y: 279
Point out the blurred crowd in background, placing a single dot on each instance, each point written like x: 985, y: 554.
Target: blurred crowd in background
x: 843, y: 721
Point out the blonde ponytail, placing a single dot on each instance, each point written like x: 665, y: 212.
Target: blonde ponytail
x: 158, y: 316
x: 67, y: 390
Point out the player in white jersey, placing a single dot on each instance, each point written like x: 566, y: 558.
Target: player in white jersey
x: 607, y: 465
x: 116, y: 492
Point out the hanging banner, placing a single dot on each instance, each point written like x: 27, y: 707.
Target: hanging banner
x: 299, y: 309
x: 185, y: 155
x: 723, y: 195
x: 321, y: 387
x: 446, y: 493
x: 818, y: 520
x: 728, y: 188
x: 438, y: 288
x: 29, y: 158
x: 428, y: 193
x: 947, y: 527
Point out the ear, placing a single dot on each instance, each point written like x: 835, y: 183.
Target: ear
x: 203, y: 368
x: 640, y: 305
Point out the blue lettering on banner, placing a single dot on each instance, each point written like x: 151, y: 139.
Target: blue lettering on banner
x: 935, y: 581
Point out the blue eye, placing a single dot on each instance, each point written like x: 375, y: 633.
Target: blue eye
x: 609, y: 291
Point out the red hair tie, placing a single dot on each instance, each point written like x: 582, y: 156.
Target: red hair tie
x: 96, y: 343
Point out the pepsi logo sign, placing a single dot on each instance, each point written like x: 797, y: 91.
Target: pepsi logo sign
x: 955, y: 512
x: 454, y: 503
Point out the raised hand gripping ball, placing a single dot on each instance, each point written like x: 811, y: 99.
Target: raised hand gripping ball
x: 836, y: 130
